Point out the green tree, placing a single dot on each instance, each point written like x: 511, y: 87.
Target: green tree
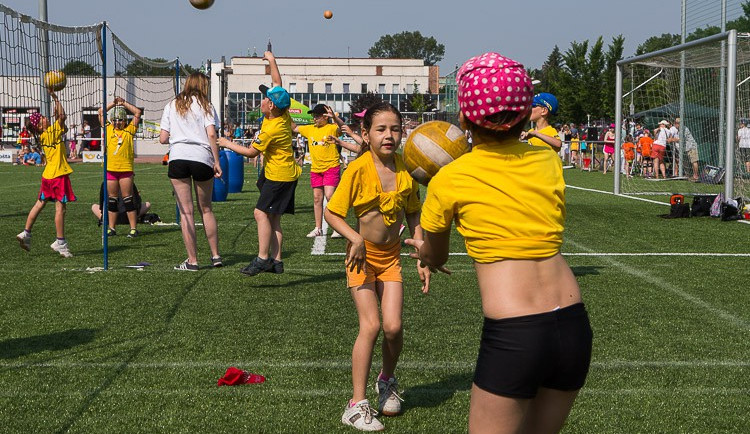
x: 593, y: 90
x: 551, y: 76
x: 655, y: 43
x: 613, y: 55
x: 572, y: 95
x: 79, y: 67
x: 408, y: 45
x: 418, y: 103
x: 142, y: 69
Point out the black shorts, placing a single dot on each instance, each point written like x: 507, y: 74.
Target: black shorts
x: 181, y: 169
x: 276, y: 197
x: 744, y: 154
x: 519, y: 355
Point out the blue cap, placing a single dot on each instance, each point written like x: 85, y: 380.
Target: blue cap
x: 277, y: 94
x: 547, y: 100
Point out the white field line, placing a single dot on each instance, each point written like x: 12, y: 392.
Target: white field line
x: 270, y: 388
x: 604, y: 254
x: 418, y: 365
x: 319, y: 245
x: 659, y: 283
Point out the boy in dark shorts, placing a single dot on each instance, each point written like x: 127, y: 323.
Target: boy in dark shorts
x: 278, y: 181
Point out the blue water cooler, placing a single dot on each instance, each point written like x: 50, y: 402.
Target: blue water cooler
x: 221, y: 184
x: 236, y: 171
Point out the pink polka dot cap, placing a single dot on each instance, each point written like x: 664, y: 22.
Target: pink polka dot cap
x: 35, y: 119
x: 489, y: 84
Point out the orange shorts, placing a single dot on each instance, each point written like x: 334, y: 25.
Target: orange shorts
x: 383, y: 263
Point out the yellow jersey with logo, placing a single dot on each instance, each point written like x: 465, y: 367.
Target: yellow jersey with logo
x: 275, y: 142
x: 507, y: 199
x: 54, y: 150
x: 120, y: 151
x: 549, y: 130
x: 323, y: 153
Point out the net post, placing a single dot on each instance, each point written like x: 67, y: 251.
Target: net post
x: 177, y: 91
x: 618, y: 126
x: 105, y: 211
x: 731, y: 105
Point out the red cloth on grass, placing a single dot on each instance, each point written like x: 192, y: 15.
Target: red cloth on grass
x: 234, y: 377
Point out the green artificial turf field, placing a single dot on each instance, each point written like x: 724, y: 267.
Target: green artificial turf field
x: 129, y: 350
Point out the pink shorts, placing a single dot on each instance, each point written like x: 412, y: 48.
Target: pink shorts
x: 57, y: 189
x: 116, y: 176
x: 330, y: 177
x: 609, y: 149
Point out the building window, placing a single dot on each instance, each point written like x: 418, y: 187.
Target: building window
x: 346, y: 87
x: 395, y: 88
x: 410, y: 88
x: 381, y: 88
x: 364, y: 87
x: 329, y: 87
x: 292, y: 87
x: 310, y: 87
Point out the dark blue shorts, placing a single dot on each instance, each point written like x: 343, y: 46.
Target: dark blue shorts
x: 519, y: 355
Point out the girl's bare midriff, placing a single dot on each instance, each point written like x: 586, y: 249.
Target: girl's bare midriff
x: 517, y: 287
x: 373, y: 229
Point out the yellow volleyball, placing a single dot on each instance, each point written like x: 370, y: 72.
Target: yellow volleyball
x: 55, y: 80
x: 431, y: 146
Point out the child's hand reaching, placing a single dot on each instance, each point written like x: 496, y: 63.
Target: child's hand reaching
x: 356, y: 254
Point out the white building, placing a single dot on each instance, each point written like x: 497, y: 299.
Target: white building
x: 309, y: 80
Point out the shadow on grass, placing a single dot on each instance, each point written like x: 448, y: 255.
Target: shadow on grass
x: 585, y: 270
x: 131, y: 355
x: 13, y: 348
x: 435, y: 394
x: 311, y: 278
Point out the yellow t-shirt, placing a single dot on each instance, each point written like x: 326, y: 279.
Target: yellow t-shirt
x: 574, y: 144
x: 324, y: 154
x: 55, y: 152
x: 360, y: 189
x: 549, y: 130
x: 275, y: 142
x: 507, y: 198
x: 120, y: 148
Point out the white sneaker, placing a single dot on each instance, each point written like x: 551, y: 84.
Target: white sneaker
x: 24, y: 240
x: 335, y: 234
x: 361, y: 416
x: 317, y: 232
x: 389, y: 402
x: 61, y: 248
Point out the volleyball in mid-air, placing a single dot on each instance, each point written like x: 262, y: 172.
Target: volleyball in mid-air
x: 328, y: 15
x: 431, y: 146
x: 202, y: 4
x: 55, y: 80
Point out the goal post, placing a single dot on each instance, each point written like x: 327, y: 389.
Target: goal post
x: 695, y: 82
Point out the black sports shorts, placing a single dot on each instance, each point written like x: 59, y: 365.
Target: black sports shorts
x: 519, y: 355
x: 181, y: 169
x: 276, y: 197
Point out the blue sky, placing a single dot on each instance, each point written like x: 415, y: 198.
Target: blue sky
x: 525, y: 31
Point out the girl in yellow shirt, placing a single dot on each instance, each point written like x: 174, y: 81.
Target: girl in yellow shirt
x: 508, y: 201
x: 120, y: 156
x: 56, y: 185
x: 381, y: 191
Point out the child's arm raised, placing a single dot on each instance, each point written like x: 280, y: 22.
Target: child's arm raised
x: 555, y: 143
x: 275, y: 75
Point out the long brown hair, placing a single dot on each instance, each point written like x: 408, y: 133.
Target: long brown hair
x: 196, y: 85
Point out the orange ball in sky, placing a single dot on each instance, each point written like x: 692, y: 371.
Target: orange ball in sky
x: 328, y: 15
